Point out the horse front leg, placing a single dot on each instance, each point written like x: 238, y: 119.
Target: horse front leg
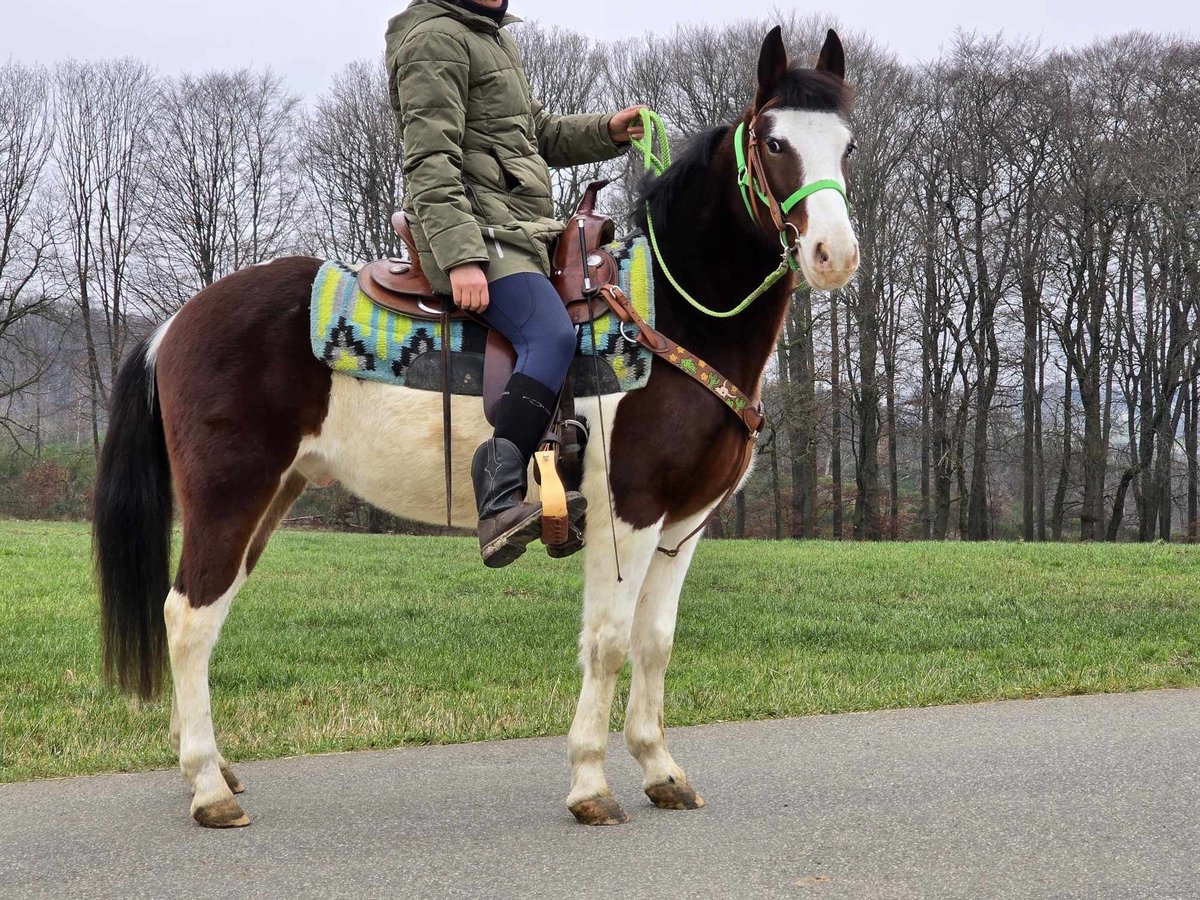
x: 652, y: 641
x: 608, y: 607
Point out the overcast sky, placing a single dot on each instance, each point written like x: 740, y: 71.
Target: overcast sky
x: 307, y: 40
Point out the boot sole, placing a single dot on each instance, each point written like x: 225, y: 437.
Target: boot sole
x: 509, y: 546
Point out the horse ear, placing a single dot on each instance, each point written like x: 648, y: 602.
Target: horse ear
x: 832, y: 59
x: 772, y: 65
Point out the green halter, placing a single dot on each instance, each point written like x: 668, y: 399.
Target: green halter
x: 657, y: 158
x: 744, y: 181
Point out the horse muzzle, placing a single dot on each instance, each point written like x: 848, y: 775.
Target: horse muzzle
x: 829, y: 261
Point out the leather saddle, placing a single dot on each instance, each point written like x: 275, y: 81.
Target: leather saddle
x: 400, y: 284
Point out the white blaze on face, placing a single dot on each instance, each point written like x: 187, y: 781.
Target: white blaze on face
x: 828, y: 248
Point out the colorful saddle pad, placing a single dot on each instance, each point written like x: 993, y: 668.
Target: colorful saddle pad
x: 352, y: 335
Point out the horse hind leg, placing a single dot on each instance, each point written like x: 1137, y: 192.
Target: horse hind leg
x: 220, y: 547
x: 652, y: 641
x: 603, y: 646
x: 291, y: 488
x: 192, y: 633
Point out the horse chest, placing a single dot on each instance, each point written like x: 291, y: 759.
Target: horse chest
x: 675, y: 451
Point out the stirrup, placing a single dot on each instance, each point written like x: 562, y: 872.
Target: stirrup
x: 556, y: 526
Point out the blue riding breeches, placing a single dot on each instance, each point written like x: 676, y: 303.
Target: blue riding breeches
x: 527, y: 310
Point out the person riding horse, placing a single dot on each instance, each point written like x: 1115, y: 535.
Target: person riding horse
x: 477, y: 151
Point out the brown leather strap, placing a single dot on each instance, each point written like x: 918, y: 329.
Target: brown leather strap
x: 749, y: 411
x: 446, y: 411
x: 758, y: 173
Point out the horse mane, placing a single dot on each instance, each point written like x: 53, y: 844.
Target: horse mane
x: 803, y: 88
x: 694, y: 159
x: 814, y: 90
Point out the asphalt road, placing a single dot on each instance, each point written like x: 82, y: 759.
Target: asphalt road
x: 1088, y: 797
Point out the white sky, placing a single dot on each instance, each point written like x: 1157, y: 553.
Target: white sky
x: 307, y: 40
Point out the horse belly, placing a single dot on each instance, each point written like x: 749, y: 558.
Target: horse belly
x: 384, y: 443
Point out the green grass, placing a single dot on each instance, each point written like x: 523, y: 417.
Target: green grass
x: 342, y: 642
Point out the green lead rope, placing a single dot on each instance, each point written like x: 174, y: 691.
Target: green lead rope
x: 656, y: 157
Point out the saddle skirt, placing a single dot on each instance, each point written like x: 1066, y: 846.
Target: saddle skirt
x: 356, y: 337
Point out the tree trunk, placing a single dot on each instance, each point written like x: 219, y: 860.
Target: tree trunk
x: 835, y: 387
x: 893, y: 458
x: 1039, y: 441
x: 778, y: 504
x: 1029, y: 360
x: 1193, y: 462
x: 1064, y: 472
x: 866, y: 468
x: 802, y: 415
x: 1118, y: 509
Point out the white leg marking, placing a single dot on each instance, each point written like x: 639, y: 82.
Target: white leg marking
x: 191, y: 636
x: 603, y: 644
x: 607, y: 617
x: 652, y: 641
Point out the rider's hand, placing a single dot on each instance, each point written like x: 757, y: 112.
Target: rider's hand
x: 470, y: 287
x: 625, y: 125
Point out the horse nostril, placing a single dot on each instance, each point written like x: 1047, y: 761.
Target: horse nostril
x: 821, y: 254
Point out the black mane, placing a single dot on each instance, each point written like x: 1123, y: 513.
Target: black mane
x: 814, y: 90
x: 694, y: 159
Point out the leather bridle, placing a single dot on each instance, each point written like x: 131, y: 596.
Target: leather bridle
x: 756, y: 187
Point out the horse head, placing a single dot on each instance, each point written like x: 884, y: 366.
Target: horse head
x: 801, y: 144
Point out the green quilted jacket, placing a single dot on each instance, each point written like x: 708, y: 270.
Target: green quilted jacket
x: 476, y: 144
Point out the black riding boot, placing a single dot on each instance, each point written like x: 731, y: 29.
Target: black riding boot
x: 500, y: 470
x: 506, y: 522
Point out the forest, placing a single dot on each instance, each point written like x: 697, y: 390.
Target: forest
x: 1017, y: 357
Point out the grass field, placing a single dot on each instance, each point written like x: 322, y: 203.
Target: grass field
x: 351, y: 641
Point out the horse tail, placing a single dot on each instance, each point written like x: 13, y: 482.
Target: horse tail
x: 131, y: 528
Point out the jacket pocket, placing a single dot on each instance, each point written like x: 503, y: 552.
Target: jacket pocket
x: 511, y: 181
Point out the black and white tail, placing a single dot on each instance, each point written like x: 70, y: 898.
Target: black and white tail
x: 131, y: 530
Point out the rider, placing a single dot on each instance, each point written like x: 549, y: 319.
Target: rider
x: 476, y: 149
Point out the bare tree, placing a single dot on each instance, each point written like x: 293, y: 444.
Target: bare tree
x: 25, y: 140
x: 350, y: 157
x: 224, y: 182
x: 103, y: 165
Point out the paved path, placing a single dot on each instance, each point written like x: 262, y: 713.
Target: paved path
x: 1088, y: 797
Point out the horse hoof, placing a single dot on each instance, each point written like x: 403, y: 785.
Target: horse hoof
x: 673, y: 795
x: 235, y: 783
x: 599, y: 811
x: 222, y: 814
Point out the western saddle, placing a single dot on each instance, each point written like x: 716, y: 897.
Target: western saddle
x: 585, y: 276
x: 583, y: 273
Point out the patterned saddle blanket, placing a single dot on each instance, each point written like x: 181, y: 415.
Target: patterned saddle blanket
x: 353, y: 336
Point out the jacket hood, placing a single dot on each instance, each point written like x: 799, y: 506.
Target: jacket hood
x: 421, y: 11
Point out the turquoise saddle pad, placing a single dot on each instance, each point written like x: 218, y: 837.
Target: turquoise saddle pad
x: 352, y: 335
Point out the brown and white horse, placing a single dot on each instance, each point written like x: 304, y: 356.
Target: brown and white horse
x: 236, y: 437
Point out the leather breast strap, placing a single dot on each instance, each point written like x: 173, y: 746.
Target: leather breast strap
x: 749, y: 412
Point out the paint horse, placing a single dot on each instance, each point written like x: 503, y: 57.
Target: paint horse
x: 233, y: 438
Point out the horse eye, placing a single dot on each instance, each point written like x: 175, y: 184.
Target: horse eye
x: 851, y: 149
x: 774, y: 146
